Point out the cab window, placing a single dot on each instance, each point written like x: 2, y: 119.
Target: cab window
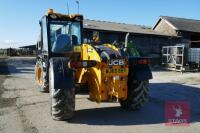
x: 64, y: 35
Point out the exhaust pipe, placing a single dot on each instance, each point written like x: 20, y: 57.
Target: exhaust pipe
x: 126, y: 41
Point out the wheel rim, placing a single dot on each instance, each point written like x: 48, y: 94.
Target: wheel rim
x: 39, y: 76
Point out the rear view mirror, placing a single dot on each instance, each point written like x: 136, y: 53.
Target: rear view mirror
x: 39, y: 45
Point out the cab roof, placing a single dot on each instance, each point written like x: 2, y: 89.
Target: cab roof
x: 52, y: 15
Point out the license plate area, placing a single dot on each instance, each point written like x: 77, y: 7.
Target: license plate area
x: 116, y: 71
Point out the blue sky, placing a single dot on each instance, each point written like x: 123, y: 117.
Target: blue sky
x: 19, y: 18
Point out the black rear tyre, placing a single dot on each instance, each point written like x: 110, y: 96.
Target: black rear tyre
x: 138, y: 93
x: 62, y: 99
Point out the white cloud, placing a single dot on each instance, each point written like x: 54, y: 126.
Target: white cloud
x: 9, y: 41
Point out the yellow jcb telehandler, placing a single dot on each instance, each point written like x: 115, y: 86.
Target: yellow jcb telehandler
x: 65, y: 66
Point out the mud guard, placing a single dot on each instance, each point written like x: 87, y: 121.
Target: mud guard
x: 140, y: 72
x: 63, y: 76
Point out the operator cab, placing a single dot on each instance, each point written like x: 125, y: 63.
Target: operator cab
x: 59, y: 33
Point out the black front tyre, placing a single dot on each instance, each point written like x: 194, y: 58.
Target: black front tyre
x: 138, y: 93
x: 62, y: 99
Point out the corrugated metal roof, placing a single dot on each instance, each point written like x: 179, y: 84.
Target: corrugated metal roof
x: 183, y: 24
x: 29, y: 46
x: 120, y: 27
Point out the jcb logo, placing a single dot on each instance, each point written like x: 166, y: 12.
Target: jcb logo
x: 117, y: 62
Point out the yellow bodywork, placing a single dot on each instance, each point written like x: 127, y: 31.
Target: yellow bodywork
x: 105, y: 82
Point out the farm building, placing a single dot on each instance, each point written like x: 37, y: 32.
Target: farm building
x: 147, y: 40
x: 30, y: 47
x: 187, y: 29
x: 181, y: 57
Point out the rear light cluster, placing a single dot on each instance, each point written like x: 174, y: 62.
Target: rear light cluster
x: 82, y: 64
x: 143, y: 61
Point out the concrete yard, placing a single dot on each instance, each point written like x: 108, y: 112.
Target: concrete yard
x: 24, y: 109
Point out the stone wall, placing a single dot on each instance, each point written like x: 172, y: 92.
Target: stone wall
x: 165, y: 27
